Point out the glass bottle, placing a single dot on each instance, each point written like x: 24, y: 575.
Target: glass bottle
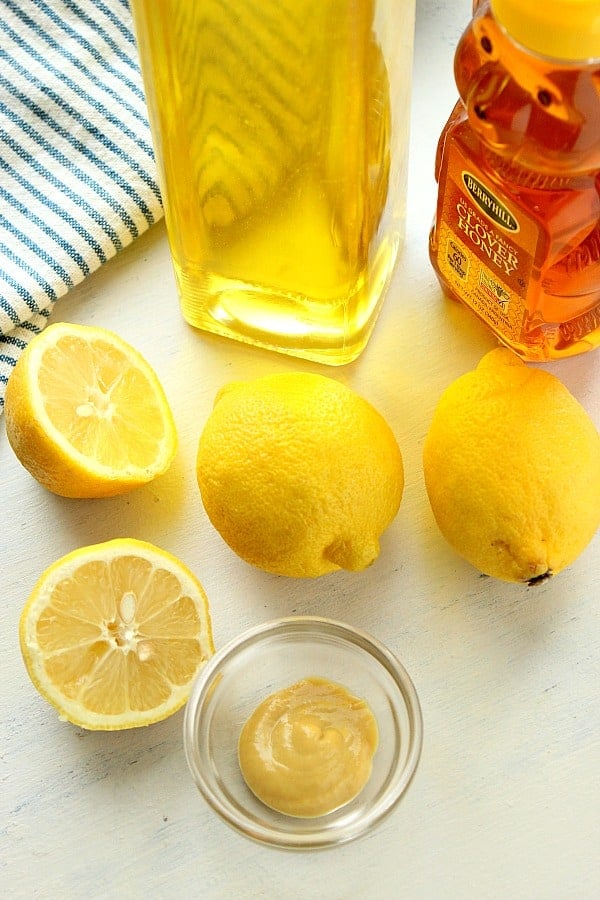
x: 517, y: 229
x: 281, y: 134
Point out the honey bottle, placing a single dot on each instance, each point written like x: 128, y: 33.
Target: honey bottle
x: 516, y: 236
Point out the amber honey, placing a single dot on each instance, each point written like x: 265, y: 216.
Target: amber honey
x: 517, y: 230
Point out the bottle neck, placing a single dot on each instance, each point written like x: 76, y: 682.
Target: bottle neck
x: 533, y: 112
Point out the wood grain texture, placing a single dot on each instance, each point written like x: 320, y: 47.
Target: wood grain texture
x: 507, y: 797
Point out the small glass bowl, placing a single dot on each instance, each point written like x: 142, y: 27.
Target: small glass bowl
x: 273, y: 656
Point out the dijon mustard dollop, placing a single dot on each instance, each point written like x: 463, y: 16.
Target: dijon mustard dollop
x: 308, y: 749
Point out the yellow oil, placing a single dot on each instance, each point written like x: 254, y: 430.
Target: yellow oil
x: 283, y: 191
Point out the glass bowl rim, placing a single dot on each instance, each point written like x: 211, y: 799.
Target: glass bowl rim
x: 332, y: 836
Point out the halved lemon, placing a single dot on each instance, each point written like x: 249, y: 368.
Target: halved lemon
x: 113, y: 634
x: 86, y: 414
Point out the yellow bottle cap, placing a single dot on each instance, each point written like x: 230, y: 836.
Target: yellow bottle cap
x: 562, y: 29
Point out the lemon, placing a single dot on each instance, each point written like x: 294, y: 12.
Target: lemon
x: 512, y: 470
x: 86, y: 414
x: 299, y: 474
x: 113, y: 634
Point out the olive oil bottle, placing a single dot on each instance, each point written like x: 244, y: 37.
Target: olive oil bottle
x: 281, y: 134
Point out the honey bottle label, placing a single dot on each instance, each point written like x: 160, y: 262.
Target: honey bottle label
x: 486, y: 246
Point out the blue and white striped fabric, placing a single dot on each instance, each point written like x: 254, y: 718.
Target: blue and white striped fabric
x: 77, y: 173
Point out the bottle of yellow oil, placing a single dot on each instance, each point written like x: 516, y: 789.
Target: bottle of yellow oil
x: 281, y: 134
x: 517, y: 230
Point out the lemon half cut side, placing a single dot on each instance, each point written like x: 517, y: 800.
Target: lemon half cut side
x: 86, y: 414
x: 113, y: 634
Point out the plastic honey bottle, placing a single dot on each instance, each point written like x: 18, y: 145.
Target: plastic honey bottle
x: 516, y: 235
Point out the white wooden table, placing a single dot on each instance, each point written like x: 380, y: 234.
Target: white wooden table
x: 506, y: 802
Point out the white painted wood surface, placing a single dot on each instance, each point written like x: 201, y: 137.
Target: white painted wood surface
x: 506, y: 801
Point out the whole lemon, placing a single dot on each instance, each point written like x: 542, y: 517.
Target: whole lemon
x: 299, y: 474
x: 512, y: 470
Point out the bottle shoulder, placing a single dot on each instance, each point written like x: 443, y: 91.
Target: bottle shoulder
x: 460, y: 140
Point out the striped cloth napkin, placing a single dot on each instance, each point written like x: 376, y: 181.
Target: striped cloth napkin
x: 77, y: 172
